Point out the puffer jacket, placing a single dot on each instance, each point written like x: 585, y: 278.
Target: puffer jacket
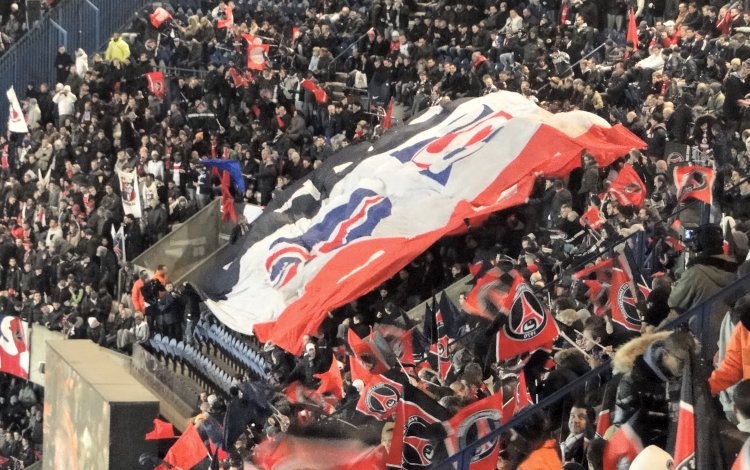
x: 736, y: 363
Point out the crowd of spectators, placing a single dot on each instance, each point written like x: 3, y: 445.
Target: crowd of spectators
x: 20, y: 422
x: 15, y: 20
x: 683, y: 84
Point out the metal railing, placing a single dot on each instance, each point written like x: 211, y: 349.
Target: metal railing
x: 85, y: 24
x: 696, y: 316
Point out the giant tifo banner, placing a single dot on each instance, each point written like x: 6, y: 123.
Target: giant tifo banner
x: 372, y: 208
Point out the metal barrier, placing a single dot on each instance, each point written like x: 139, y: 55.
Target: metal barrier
x: 699, y: 313
x: 85, y: 24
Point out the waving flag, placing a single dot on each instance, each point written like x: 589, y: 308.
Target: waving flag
x: 16, y: 119
x: 162, y: 430
x: 603, y: 266
x: 742, y: 462
x: 156, y: 84
x: 625, y: 444
x: 118, y: 242
x: 412, y: 446
x: 367, y: 353
x: 632, y: 34
x: 159, y: 16
x: 187, y: 451
x: 529, y: 325
x: 130, y: 193
x: 694, y: 181
x: 483, y: 299
x: 592, y: 218
x: 256, y: 52
x: 360, y: 218
x: 14, y: 346
x: 331, y: 381
x: 443, y: 356
x: 227, y: 200
x: 628, y: 188
x: 381, y: 395
x: 472, y: 423
x: 320, y: 94
x: 294, y: 452
x: 623, y: 301
x: 684, y: 449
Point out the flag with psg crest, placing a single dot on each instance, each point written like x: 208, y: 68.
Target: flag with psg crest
x: 474, y: 422
x: 381, y: 395
x: 415, y: 441
x: 371, y: 209
x: 529, y: 325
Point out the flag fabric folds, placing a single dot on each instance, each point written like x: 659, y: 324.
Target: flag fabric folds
x: 529, y: 325
x: 412, y: 445
x: 16, y: 119
x: 694, y: 181
x: 624, y: 445
x: 628, y: 188
x: 232, y: 166
x: 592, y: 218
x: 162, y: 430
x: 227, y: 200
x: 388, y: 118
x: 684, y: 451
x: 14, y: 346
x: 623, y: 301
x: 381, y: 395
x: 632, y: 34
x: 130, y: 193
x: 159, y: 16
x: 256, y: 52
x: 320, y: 94
x: 156, y: 84
x: 472, y: 423
x: 187, y: 452
x: 228, y: 20
x: 291, y: 452
x: 118, y: 242
x: 331, y: 381
x: 359, y: 218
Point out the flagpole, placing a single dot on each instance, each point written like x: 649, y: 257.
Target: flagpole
x: 573, y: 343
x: 573, y: 65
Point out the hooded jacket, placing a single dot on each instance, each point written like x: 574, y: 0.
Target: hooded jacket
x: 736, y: 363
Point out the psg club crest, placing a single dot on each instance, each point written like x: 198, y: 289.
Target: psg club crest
x: 694, y: 181
x: 527, y: 317
x: 381, y: 398
x: 418, y: 451
x: 127, y: 190
x: 627, y: 303
x: 475, y: 427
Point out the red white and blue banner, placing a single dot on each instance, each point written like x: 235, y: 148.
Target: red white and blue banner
x: 16, y: 119
x: 14, y: 346
x: 371, y: 209
x: 130, y: 193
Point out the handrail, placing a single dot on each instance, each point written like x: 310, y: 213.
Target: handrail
x: 463, y: 457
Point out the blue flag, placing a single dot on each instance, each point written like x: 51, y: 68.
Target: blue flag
x: 232, y: 166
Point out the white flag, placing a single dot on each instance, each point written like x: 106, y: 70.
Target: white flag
x: 130, y: 193
x: 118, y: 241
x: 16, y: 120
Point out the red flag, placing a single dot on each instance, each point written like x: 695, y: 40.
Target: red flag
x: 227, y: 201
x: 627, y: 188
x: 156, y: 84
x: 623, y: 301
x: 603, y: 422
x: 694, y: 181
x: 484, y: 292
x: 444, y: 360
x: 564, y: 13
x: 400, y: 341
x: 228, y: 20
x: 684, y: 450
x: 358, y: 370
x: 188, y: 451
x: 411, y: 446
x: 367, y: 354
x: 14, y: 346
x: 595, y: 291
x: 632, y: 34
x: 529, y: 325
x: 388, y: 115
x: 298, y: 394
x: 523, y: 397
x: 381, y: 396
x: 159, y: 16
x: 256, y: 52
x: 331, y: 381
x: 162, y: 430
x: 295, y: 33
x: 593, y: 218
x: 625, y: 444
x: 320, y: 94
x: 472, y: 423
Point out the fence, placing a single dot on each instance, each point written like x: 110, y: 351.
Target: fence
x: 697, y: 317
x: 85, y: 24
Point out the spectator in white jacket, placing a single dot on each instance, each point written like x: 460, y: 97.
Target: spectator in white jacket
x: 513, y: 25
x: 65, y: 101
x: 655, y: 61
